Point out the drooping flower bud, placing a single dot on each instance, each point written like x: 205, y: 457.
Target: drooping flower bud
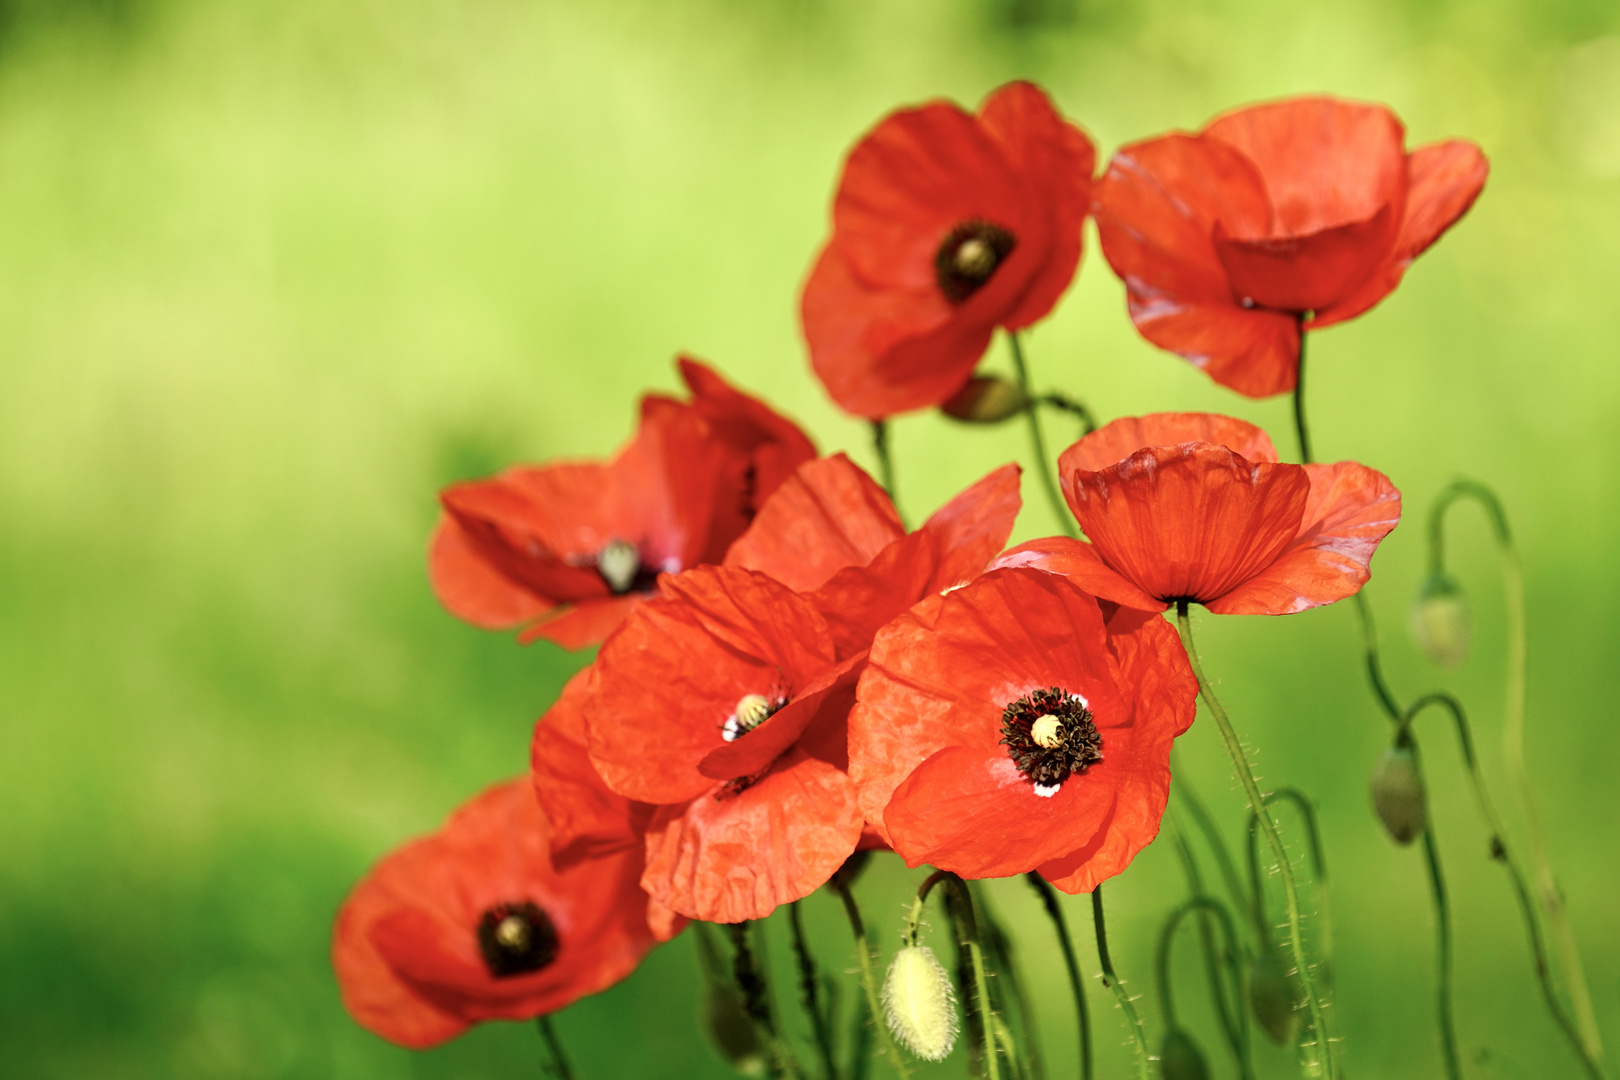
x: 986, y: 399
x: 1441, y: 626
x: 1272, y: 996
x: 920, y: 1003
x: 730, y: 1031
x: 1180, y: 1058
x: 1398, y: 795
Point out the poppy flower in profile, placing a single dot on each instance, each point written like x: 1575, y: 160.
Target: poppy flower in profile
x: 1196, y: 506
x: 1273, y: 220
x: 472, y: 923
x: 566, y: 550
x: 946, y: 225
x: 1011, y: 726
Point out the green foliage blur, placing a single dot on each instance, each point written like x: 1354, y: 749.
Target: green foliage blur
x: 271, y: 273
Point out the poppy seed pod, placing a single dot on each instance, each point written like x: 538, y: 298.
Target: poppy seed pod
x: 730, y: 1031
x: 986, y: 399
x: 920, y: 1004
x: 1441, y: 626
x: 1272, y: 996
x: 1398, y: 795
x: 1180, y: 1058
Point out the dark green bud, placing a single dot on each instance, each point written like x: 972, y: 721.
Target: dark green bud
x: 1180, y: 1058
x: 730, y: 1031
x: 986, y: 399
x: 1397, y: 794
x: 1441, y: 626
x: 1272, y: 996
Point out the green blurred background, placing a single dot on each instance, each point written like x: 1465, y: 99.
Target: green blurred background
x: 274, y: 271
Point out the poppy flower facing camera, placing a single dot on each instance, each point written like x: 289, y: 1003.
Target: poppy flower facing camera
x: 566, y: 550
x: 1273, y: 220
x: 1196, y: 506
x: 472, y: 923
x: 946, y: 226
x: 1010, y: 726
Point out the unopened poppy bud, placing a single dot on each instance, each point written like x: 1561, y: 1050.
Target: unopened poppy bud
x: 986, y: 399
x: 1272, y: 997
x: 1398, y: 795
x: 920, y: 1004
x: 1441, y: 626
x: 730, y: 1030
x: 1180, y: 1058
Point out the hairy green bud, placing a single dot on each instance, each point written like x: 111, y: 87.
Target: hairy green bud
x: 986, y: 399
x: 1441, y: 625
x: 1272, y: 996
x: 920, y: 1004
x: 1180, y: 1058
x: 1398, y: 795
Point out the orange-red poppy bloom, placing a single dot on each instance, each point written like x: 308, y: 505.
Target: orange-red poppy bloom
x: 1274, y: 219
x: 946, y: 225
x: 472, y: 923
x: 1196, y: 506
x: 566, y: 550
x: 1008, y: 727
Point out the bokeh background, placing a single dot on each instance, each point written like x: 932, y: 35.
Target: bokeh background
x: 274, y: 271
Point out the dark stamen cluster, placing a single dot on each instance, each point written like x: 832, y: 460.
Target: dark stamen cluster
x: 969, y: 256
x: 516, y: 939
x: 1075, y: 744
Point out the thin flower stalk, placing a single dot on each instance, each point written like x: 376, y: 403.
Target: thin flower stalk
x: 1234, y: 1020
x: 1112, y: 981
x: 959, y: 904
x: 863, y: 952
x: 1037, y: 440
x: 1049, y: 901
x: 556, y: 1063
x: 810, y: 994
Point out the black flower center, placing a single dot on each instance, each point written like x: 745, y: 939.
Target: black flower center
x: 1050, y: 735
x: 516, y: 939
x: 969, y: 256
x: 619, y: 563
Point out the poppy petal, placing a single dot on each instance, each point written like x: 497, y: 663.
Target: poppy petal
x: 471, y: 588
x: 574, y: 626
x: 1119, y: 439
x: 975, y: 525
x: 1350, y: 509
x: 1079, y: 562
x: 1304, y: 273
x: 587, y: 820
x: 828, y: 698
x: 774, y: 444
x: 1250, y: 350
x: 827, y: 516
x: 726, y: 857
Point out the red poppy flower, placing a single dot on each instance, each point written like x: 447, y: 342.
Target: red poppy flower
x: 1291, y: 215
x: 566, y: 550
x: 723, y: 701
x: 1007, y: 727
x: 1196, y: 506
x: 472, y: 923
x: 946, y: 225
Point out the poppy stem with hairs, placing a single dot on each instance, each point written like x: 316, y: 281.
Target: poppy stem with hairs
x: 1502, y: 854
x: 1077, y: 985
x: 1299, y: 400
x: 558, y: 1065
x: 1043, y: 464
x: 967, y: 929
x: 810, y: 993
x: 1231, y: 1014
x: 1206, y: 906
x: 863, y: 951
x: 1112, y: 981
x: 757, y: 1003
x: 880, y: 446
x: 1320, y: 1052
x: 1513, y: 723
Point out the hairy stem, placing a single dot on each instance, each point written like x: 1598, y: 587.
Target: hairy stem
x: 959, y: 905
x: 863, y: 951
x: 810, y: 993
x: 1112, y: 982
x: 1234, y: 1021
x: 1049, y: 900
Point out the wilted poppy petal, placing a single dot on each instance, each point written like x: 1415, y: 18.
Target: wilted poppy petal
x: 1119, y: 439
x: 726, y: 857
x: 673, y: 673
x: 1350, y: 509
x: 827, y: 516
x: 1079, y: 562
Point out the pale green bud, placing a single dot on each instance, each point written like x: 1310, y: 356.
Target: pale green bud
x: 1441, y: 626
x: 1180, y: 1058
x: 732, y: 1033
x: 1272, y: 997
x: 986, y: 399
x: 1397, y: 794
x: 920, y: 1003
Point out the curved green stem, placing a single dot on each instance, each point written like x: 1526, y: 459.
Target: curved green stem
x: 863, y: 951
x: 1054, y: 912
x: 1442, y: 908
x: 1212, y: 836
x: 1074, y: 407
x: 967, y: 929
x: 1207, y: 906
x: 1318, y: 1051
x: 1112, y: 982
x: 1006, y: 977
x: 880, y: 447
x: 1313, y: 834
x: 810, y: 993
x: 1234, y: 1021
x: 558, y: 1065
x: 1513, y: 725
x: 1043, y: 465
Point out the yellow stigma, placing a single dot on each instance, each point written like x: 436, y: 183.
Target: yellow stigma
x: 975, y: 258
x: 752, y: 711
x: 618, y: 562
x: 513, y: 932
x: 1047, y: 731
